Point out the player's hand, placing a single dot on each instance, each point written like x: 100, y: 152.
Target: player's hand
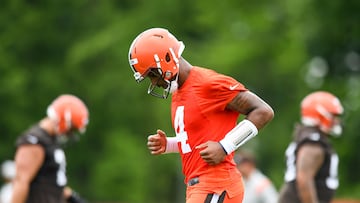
x: 157, y: 143
x: 211, y: 152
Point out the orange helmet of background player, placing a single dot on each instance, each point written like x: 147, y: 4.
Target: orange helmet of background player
x: 69, y: 112
x: 321, y: 109
x: 155, y: 48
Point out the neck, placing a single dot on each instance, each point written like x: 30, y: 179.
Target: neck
x: 48, y: 125
x: 184, y: 71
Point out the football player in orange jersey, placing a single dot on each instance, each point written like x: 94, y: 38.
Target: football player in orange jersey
x: 205, y: 109
x: 40, y: 160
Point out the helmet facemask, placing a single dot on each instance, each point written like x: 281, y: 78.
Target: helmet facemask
x: 336, y: 130
x: 159, y: 86
x: 71, y: 136
x: 329, y: 122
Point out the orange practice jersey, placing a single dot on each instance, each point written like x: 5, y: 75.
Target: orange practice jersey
x: 198, y: 115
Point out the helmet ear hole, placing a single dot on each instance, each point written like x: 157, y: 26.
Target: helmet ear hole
x: 167, y: 57
x: 168, y: 75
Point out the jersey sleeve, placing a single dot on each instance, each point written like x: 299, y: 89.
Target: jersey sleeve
x: 27, y: 139
x: 32, y: 137
x: 309, y: 136
x: 219, y: 90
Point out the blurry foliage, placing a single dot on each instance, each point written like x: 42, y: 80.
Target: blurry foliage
x: 81, y: 46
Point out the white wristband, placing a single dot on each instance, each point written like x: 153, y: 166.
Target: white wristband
x: 238, y: 136
x: 171, y: 145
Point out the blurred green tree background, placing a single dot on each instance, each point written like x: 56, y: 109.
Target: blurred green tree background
x: 281, y: 50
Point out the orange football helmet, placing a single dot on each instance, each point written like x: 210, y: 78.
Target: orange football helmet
x: 156, y: 50
x: 69, y: 112
x: 322, y: 109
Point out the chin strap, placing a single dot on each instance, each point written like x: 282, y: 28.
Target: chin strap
x: 238, y: 136
x: 174, y: 85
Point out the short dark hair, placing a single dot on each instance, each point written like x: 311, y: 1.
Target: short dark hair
x: 242, y: 156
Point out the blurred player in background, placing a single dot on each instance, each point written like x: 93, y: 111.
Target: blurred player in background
x: 312, y: 163
x: 258, y: 187
x: 40, y: 160
x: 204, y: 111
x: 8, y: 174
